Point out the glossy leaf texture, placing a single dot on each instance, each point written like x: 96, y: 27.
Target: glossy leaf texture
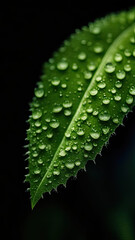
x: 86, y: 89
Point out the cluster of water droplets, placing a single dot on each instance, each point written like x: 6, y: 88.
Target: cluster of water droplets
x: 86, y: 129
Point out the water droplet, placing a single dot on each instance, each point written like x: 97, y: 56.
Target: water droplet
x: 63, y: 65
x: 113, y: 90
x: 49, y: 135
x: 77, y: 163
x: 117, y: 97
x: 127, y: 67
x: 36, y: 114
x: 95, y: 29
x: 74, y: 147
x: 89, y: 110
x: 101, y: 85
x: 93, y: 92
x: 67, y: 112
x: 62, y: 153
x: 109, y: 67
x: 37, y: 123
x: 55, y: 81
x: 67, y: 104
x: 88, y: 146
x: 70, y: 165
x: 84, y: 116
x: 37, y: 171
x: 129, y: 99
x: 41, y: 146
x: 106, y: 130
x: 98, y: 49
x: 120, y: 74
x: 56, y: 172
x: 44, y: 127
x: 54, y: 123
x: 98, y: 78
x: 74, y: 66
x: 80, y: 132
x: 64, y: 85
x: 95, y: 113
x: 82, y: 56
x: 67, y: 135
x: 132, y: 90
x: 57, y: 109
x: 115, y: 120
x: 124, y: 109
x: 134, y: 53
x: 104, y: 116
x: 91, y: 66
x: 39, y: 92
x: 95, y: 135
x: 87, y: 75
x: 106, y: 101
x: 127, y: 53
x: 118, y: 57
x: 118, y: 84
x: 132, y: 39
x: 40, y: 161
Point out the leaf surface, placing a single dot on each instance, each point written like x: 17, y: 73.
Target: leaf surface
x: 86, y: 89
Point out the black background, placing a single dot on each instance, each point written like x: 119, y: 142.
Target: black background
x: 100, y: 203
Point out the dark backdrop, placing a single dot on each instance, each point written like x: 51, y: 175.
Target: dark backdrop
x: 100, y: 203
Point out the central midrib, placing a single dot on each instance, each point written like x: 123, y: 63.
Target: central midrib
x: 106, y: 56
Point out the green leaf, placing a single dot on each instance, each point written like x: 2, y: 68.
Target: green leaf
x: 85, y: 91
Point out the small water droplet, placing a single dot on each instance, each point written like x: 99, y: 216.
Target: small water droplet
x: 93, y: 92
x: 89, y: 110
x: 118, y: 57
x: 40, y: 161
x: 118, y: 84
x: 37, y: 171
x: 115, y: 120
x: 49, y: 135
x: 87, y: 75
x: 106, y: 130
x: 39, y: 92
x: 41, y: 146
x: 54, y: 123
x: 117, y: 97
x: 127, y: 52
x: 127, y: 67
x: 64, y: 85
x: 55, y: 81
x: 129, y: 99
x: 95, y: 29
x: 56, y: 172
x: 67, y: 104
x: 124, y: 109
x: 98, y: 48
x: 63, y: 65
x: 77, y: 163
x: 132, y: 90
x: 70, y: 165
x: 82, y: 56
x: 106, y: 101
x: 104, y: 116
x: 91, y: 66
x: 109, y: 67
x: 84, y: 116
x: 88, y: 146
x: 120, y: 74
x: 101, y: 85
x: 62, y: 153
x: 74, y: 66
x: 67, y: 135
x: 95, y: 135
x: 36, y: 114
x: 37, y: 123
x: 80, y: 132
x: 57, y: 109
x: 67, y: 112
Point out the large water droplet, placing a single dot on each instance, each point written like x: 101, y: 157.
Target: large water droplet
x: 57, y: 109
x: 87, y: 75
x: 95, y: 135
x: 93, y: 92
x: 129, y: 99
x: 127, y: 67
x: 101, y: 85
x: 62, y: 153
x: 67, y: 104
x: 118, y: 57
